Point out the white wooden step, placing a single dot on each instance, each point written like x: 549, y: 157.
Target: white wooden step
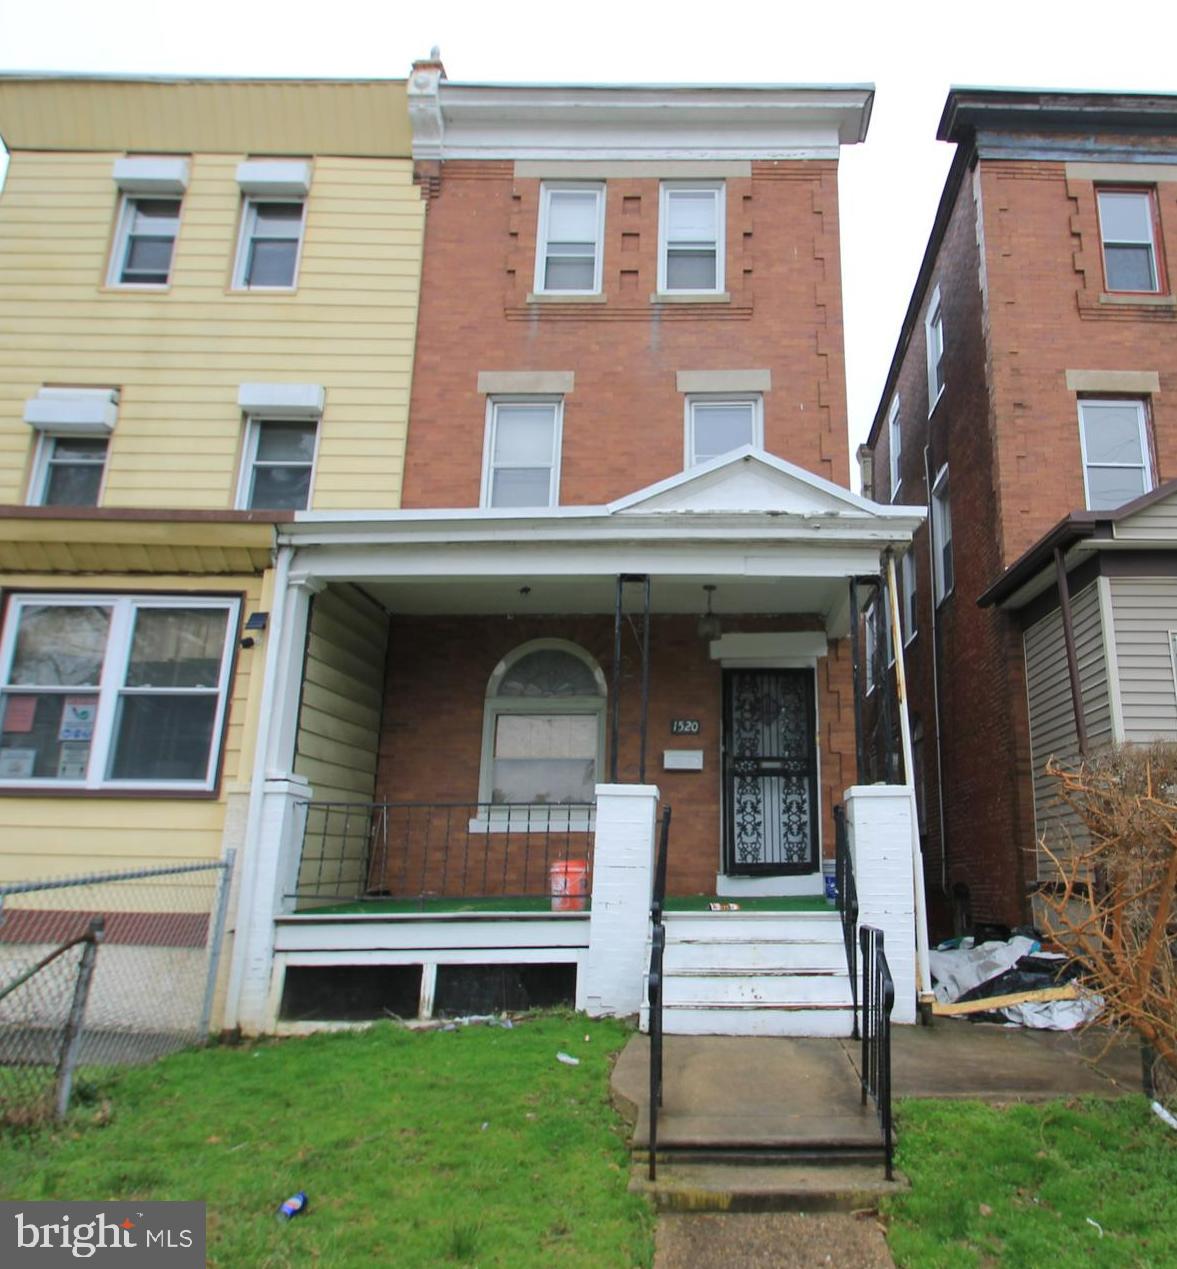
x: 767, y: 956
x: 738, y: 990
x: 752, y: 927
x: 781, y: 1020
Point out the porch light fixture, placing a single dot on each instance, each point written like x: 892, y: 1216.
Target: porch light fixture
x: 709, y: 627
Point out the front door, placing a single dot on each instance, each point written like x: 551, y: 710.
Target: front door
x: 770, y: 772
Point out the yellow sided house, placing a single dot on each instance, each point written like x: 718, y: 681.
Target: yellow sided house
x: 208, y: 302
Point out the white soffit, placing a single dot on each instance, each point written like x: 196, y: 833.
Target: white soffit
x: 641, y: 122
x: 769, y: 645
x: 276, y: 178
x: 151, y: 176
x: 290, y: 400
x: 84, y: 411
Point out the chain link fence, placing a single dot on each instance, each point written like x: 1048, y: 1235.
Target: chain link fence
x: 101, y: 970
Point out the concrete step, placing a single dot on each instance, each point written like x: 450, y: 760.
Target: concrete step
x: 773, y: 1130
x: 767, y: 955
x: 752, y: 927
x: 809, y: 1019
x: 781, y: 1187
x: 711, y: 989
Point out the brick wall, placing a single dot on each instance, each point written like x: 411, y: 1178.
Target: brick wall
x: 436, y: 683
x: 623, y: 422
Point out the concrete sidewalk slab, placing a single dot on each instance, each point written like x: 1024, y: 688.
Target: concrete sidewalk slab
x: 778, y: 1240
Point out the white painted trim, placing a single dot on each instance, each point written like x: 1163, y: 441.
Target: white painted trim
x: 597, y: 188
x: 754, y: 399
x: 141, y: 175
x: 665, y: 192
x: 1107, y: 621
x: 641, y: 122
x: 721, y: 381
x: 933, y: 317
x: 526, y: 382
x: 282, y: 400
x: 76, y: 411
x: 267, y: 179
x: 796, y: 885
x: 801, y: 645
x: 894, y: 450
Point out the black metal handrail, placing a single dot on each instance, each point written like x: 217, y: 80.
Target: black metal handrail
x: 878, y: 997
x: 654, y: 985
x: 847, y: 900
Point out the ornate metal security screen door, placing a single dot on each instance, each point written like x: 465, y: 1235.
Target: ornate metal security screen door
x: 770, y: 772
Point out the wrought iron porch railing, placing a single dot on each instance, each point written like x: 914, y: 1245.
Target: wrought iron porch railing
x: 430, y: 853
x: 654, y: 986
x: 847, y: 900
x: 878, y: 997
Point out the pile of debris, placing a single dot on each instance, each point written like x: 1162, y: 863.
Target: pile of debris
x: 1011, y: 980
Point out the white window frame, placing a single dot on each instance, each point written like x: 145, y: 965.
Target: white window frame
x: 537, y: 816
x: 254, y: 422
x: 248, y: 220
x: 907, y: 586
x: 1149, y: 194
x: 43, y: 459
x: 718, y: 189
x: 122, y: 234
x: 555, y: 401
x: 941, y: 516
x: 934, y: 339
x: 1145, y: 464
x: 895, y: 446
x: 547, y: 189
x: 112, y: 678
x: 693, y: 399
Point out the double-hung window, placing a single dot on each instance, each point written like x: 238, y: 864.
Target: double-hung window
x: 271, y: 239
x: 691, y: 234
x: 1128, y: 233
x: 69, y: 471
x: 1113, y: 436
x: 934, y: 342
x: 145, y: 241
x: 521, y: 460
x: 279, y: 462
x: 717, y: 425
x: 870, y: 643
x: 907, y: 574
x: 895, y: 439
x: 124, y: 691
x: 571, y: 233
x: 943, y: 576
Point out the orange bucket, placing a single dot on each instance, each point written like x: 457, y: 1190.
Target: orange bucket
x: 568, y: 880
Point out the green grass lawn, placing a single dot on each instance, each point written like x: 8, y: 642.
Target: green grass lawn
x: 1016, y: 1185
x: 473, y: 1146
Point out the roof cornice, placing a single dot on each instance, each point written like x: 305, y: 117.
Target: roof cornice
x: 638, y: 121
x: 968, y: 111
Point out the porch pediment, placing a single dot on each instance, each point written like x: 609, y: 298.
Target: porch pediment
x: 747, y: 480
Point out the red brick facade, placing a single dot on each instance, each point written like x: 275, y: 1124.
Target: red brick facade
x: 1020, y: 273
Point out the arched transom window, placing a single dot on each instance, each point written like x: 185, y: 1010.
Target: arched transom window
x: 543, y: 738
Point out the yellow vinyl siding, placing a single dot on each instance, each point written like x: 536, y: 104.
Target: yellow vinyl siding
x: 47, y: 835
x: 179, y: 355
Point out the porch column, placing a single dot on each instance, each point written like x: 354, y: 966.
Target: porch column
x: 878, y: 818
x: 623, y: 880
x: 273, y: 837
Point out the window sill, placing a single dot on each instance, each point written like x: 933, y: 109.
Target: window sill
x: 264, y: 290
x: 690, y: 297
x: 152, y: 288
x: 566, y: 297
x: 534, y: 819
x: 54, y: 789
x: 1142, y: 298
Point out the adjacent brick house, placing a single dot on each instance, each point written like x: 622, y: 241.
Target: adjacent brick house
x: 1032, y: 384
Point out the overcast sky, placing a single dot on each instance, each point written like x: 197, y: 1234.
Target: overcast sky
x: 911, y: 52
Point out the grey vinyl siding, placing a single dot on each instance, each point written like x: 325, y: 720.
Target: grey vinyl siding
x: 339, y: 729
x: 1144, y: 612
x: 1052, y: 717
x: 1156, y: 521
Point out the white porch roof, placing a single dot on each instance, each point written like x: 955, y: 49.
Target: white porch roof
x: 772, y: 537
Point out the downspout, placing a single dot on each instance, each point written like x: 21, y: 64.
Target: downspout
x: 245, y: 893
x: 935, y: 641
x: 1064, y: 603
x: 922, y: 963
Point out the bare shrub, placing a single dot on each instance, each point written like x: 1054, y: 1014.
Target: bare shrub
x: 1113, y: 905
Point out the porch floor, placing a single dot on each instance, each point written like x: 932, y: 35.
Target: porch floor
x: 542, y: 903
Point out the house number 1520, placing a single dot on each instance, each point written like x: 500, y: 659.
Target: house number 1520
x: 684, y: 726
